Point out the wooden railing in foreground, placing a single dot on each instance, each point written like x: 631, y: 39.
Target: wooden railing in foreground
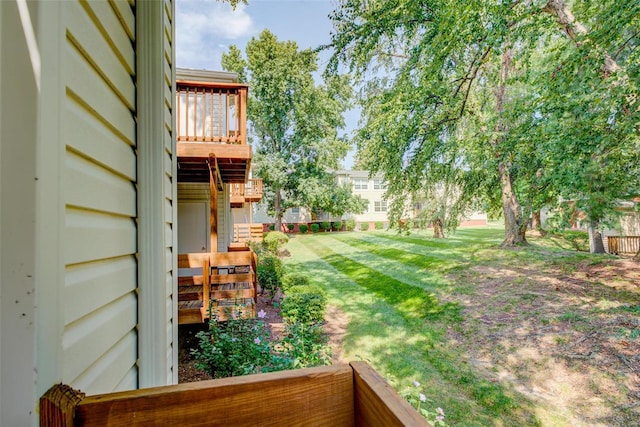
x: 246, y: 232
x: 623, y: 244
x: 336, y: 396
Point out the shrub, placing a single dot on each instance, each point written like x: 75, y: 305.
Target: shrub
x: 304, y: 307
x: 305, y: 288
x: 579, y: 240
x: 350, y: 224
x: 270, y: 271
x: 303, y: 228
x: 305, y: 346
x: 315, y: 228
x: 326, y: 225
x: 274, y: 241
x: 379, y: 225
x: 364, y: 226
x: 337, y: 225
x: 291, y: 226
x: 231, y: 348
x: 271, y: 227
x: 293, y: 279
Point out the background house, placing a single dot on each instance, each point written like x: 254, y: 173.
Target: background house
x: 371, y: 189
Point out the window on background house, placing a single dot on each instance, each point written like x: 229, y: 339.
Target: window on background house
x: 360, y: 183
x: 295, y: 211
x: 380, y: 206
x: 379, y: 184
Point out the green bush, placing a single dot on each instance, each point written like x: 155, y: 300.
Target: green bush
x: 350, y: 224
x: 274, y: 241
x: 579, y: 240
x: 326, y: 226
x: 303, y: 228
x: 305, y: 287
x: 231, y: 348
x: 272, y: 227
x: 337, y: 225
x: 294, y: 279
x: 304, y: 346
x: 315, y: 227
x: 364, y: 226
x: 291, y: 226
x: 304, y: 307
x: 379, y: 225
x: 270, y: 272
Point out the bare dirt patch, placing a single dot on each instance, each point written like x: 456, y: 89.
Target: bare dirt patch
x: 566, y: 337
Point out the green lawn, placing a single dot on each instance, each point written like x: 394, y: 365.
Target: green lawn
x: 402, y: 295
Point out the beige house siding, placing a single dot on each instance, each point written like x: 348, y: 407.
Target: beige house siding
x: 99, y: 349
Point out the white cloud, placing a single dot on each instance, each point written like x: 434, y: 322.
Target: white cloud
x: 203, y: 26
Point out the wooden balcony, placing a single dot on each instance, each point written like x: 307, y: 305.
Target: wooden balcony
x: 343, y: 395
x: 251, y: 191
x: 211, y: 129
x: 225, y: 282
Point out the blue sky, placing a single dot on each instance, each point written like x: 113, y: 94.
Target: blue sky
x: 206, y: 28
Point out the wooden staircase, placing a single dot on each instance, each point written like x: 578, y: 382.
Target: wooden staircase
x: 223, y: 282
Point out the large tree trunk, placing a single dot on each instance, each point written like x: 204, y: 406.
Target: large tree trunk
x: 277, y: 207
x: 535, y: 220
x: 438, y: 229
x: 596, y: 244
x: 514, y: 226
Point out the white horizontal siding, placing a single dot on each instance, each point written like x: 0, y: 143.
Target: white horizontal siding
x: 93, y: 187
x: 97, y: 142
x: 89, y: 285
x: 100, y: 310
x: 105, y: 374
x: 88, y: 339
x: 91, y: 236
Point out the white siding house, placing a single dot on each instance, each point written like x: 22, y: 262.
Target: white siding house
x: 87, y: 177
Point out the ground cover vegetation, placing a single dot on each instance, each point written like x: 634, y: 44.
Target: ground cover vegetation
x: 537, y: 335
x: 507, y: 106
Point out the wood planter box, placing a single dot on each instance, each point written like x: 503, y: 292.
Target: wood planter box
x: 339, y: 395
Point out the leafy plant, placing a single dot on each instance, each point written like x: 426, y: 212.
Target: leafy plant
x: 416, y: 398
x: 274, y: 241
x: 315, y: 227
x: 303, y: 228
x: 364, y: 226
x: 305, y: 346
x: 272, y: 227
x: 325, y: 225
x: 350, y: 224
x: 294, y: 279
x: 238, y: 346
x: 291, y: 227
x: 303, y: 307
x: 270, y: 272
x: 337, y: 225
x: 379, y: 225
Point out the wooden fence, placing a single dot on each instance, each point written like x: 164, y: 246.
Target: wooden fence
x: 336, y: 396
x: 623, y: 244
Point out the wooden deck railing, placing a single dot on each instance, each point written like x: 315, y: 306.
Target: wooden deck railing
x: 623, y: 244
x: 246, y: 232
x: 226, y: 282
x: 252, y: 189
x: 211, y: 112
x: 336, y: 396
